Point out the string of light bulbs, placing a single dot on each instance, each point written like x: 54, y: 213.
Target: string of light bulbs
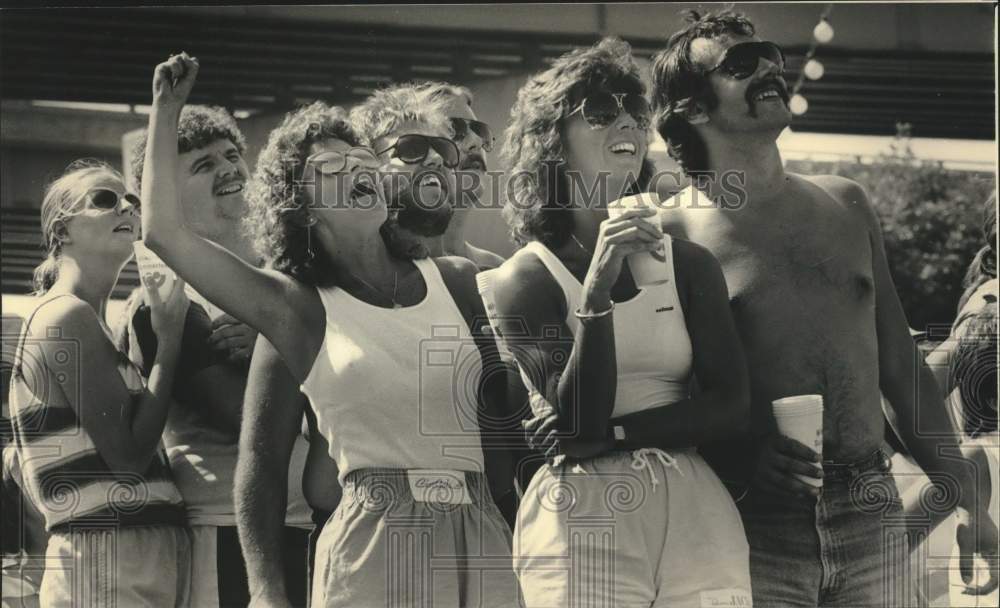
x: 813, y: 69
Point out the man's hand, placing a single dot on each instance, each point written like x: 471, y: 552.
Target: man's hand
x: 235, y: 338
x: 779, y: 462
x: 977, y: 534
x: 173, y: 81
x: 540, y: 433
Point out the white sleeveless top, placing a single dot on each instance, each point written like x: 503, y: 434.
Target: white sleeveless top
x: 396, y: 387
x: 652, y: 345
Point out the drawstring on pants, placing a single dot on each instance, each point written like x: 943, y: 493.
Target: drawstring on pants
x: 640, y: 461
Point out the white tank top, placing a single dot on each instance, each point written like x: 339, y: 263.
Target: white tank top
x: 397, y: 387
x: 652, y: 345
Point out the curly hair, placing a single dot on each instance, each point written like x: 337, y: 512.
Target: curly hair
x: 533, y: 145
x: 679, y: 83
x: 984, y: 265
x: 63, y: 198
x: 434, y: 90
x: 974, y: 371
x: 278, y: 220
x: 198, y: 127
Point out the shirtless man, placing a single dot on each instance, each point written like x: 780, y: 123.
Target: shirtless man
x: 473, y: 138
x: 817, y: 311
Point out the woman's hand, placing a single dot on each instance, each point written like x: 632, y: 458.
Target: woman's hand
x: 173, y: 81
x: 167, y: 315
x: 629, y: 233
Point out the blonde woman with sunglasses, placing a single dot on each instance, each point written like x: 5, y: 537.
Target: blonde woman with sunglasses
x: 86, y: 426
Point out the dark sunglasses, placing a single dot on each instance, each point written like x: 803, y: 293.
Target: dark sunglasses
x: 462, y: 126
x: 105, y: 199
x: 602, y: 109
x: 331, y: 163
x: 413, y: 149
x: 742, y: 60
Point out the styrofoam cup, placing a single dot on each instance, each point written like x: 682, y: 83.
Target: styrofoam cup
x: 153, y: 272
x: 800, y: 417
x: 648, y: 268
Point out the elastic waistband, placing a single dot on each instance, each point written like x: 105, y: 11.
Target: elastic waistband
x: 382, y: 487
x: 878, y: 460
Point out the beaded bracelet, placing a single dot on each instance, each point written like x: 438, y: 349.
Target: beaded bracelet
x: 596, y: 315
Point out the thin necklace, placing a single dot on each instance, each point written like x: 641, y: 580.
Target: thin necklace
x: 582, y: 246
x: 395, y: 284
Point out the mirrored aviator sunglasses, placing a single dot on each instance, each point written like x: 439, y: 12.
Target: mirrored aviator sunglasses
x: 462, y: 126
x: 331, y: 163
x: 742, y: 60
x: 106, y: 200
x: 600, y: 110
x: 414, y: 148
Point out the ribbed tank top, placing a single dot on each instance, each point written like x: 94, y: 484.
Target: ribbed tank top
x: 396, y: 387
x: 652, y: 345
x: 65, y: 476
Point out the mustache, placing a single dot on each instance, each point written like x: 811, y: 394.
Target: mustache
x: 419, y: 212
x: 775, y: 81
x: 473, y: 159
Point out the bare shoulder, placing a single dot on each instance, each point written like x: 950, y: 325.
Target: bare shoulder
x: 66, y: 316
x: 483, y: 258
x: 456, y: 269
x: 523, y: 285
x: 849, y: 193
x: 459, y: 276
x: 695, y: 266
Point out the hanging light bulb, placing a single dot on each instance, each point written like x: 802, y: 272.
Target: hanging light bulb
x: 813, y: 70
x: 798, y: 105
x: 823, y: 32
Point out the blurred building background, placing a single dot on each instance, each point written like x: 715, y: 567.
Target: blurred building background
x: 75, y: 82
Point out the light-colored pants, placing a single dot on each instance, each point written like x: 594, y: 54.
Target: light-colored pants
x: 382, y: 548
x: 642, y: 528
x: 117, y: 567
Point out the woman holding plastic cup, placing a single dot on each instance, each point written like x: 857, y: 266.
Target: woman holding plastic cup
x: 86, y: 426
x: 608, y: 359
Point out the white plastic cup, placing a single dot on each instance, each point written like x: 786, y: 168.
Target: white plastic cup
x: 800, y: 417
x: 648, y: 268
x: 153, y: 272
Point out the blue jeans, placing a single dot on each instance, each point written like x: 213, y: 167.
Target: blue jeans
x: 845, y: 548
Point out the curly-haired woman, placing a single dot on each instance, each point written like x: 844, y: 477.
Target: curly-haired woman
x: 628, y: 513
x: 376, y: 339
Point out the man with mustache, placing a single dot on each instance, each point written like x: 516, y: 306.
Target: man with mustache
x: 203, y: 424
x: 816, y: 308
x: 474, y: 138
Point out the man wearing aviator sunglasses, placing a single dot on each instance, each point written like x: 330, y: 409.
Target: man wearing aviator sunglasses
x: 410, y: 137
x: 806, y: 267
x: 474, y: 138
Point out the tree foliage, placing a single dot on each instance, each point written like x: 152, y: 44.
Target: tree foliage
x: 931, y: 220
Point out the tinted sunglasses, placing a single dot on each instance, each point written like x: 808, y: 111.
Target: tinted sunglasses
x: 462, y: 126
x: 742, y: 60
x: 600, y: 110
x: 413, y: 149
x: 106, y: 199
x: 331, y: 163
